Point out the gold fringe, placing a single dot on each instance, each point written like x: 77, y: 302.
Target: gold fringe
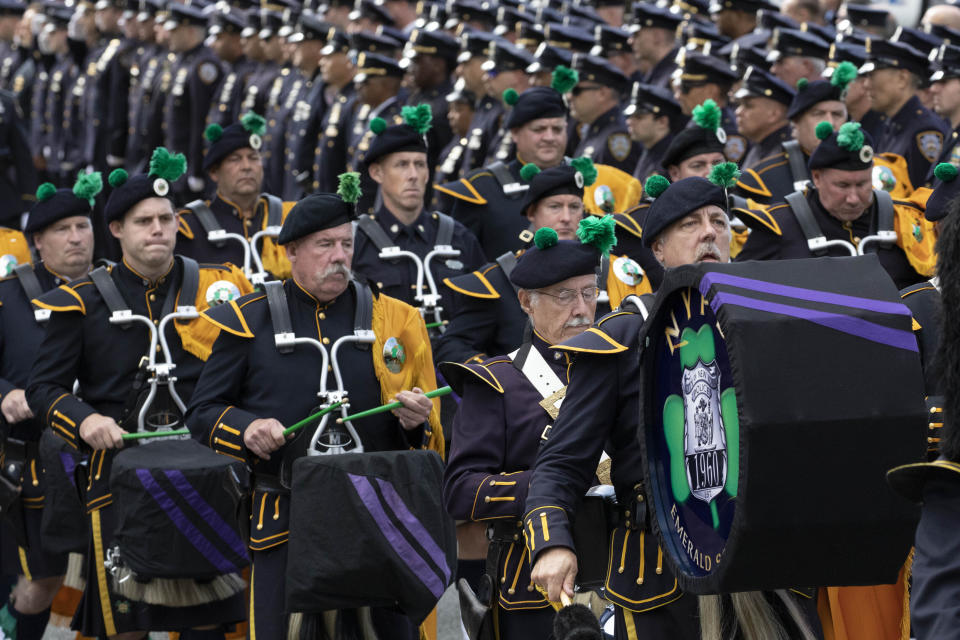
x: 905, y: 619
x: 197, y: 336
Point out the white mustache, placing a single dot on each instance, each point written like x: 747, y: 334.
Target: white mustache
x: 705, y: 249
x: 337, y: 268
x: 579, y: 321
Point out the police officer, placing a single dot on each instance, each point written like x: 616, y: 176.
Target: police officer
x: 762, y: 114
x: 81, y: 344
x: 737, y: 19
x: 505, y: 69
x: 17, y: 173
x: 226, y: 29
x: 461, y: 103
x: 654, y: 117
x: 264, y: 45
x: 895, y: 72
x: 507, y: 402
x: 11, y: 53
x: 397, y: 162
x: 55, y: 79
x: 595, y: 104
x: 488, y: 110
x: 655, y: 43
x: 841, y: 204
x: 250, y: 390
x: 797, y: 54
x: 148, y: 93
x: 430, y: 58
x: 613, y: 44
x: 60, y: 228
x: 945, y: 88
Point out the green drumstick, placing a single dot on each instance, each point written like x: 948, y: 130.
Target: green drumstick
x: 436, y: 393
x: 155, y: 434
x: 311, y: 418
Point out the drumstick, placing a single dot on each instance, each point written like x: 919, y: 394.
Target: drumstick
x: 442, y: 391
x: 311, y: 418
x: 155, y: 434
x: 434, y: 325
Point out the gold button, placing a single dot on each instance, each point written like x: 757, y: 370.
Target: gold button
x: 511, y: 591
x: 516, y: 536
x: 157, y: 322
x: 380, y: 285
x: 486, y: 499
x: 502, y: 580
x: 627, y: 513
x: 639, y: 580
x: 322, y: 315
x: 639, y: 498
x: 158, y: 349
x: 326, y: 340
x: 530, y: 587
x: 152, y: 297
x: 493, y: 483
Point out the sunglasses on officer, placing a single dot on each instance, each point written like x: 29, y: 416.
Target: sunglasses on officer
x: 577, y: 90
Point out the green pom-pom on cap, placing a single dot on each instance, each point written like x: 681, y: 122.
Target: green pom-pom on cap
x: 724, y: 174
x: 378, y: 125
x: 213, y: 132
x: 802, y: 84
x: 545, y: 237
x: 707, y: 115
x: 46, y: 191
x: 850, y: 137
x: 510, y: 97
x: 88, y: 185
x: 529, y: 171
x: 420, y: 117
x: 844, y: 74
x: 586, y: 168
x: 655, y: 185
x: 564, y: 79
x: 945, y: 172
x: 599, y: 233
x: 166, y: 165
x: 254, y: 123
x: 349, y: 187
x: 117, y: 178
x: 824, y: 130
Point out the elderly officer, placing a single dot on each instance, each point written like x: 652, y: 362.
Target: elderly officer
x: 81, y: 344
x: 250, y: 391
x: 398, y: 162
x: 841, y: 204
x: 234, y: 164
x: 507, y: 402
x: 59, y: 224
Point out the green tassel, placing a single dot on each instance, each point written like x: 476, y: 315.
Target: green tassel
x: 586, y: 168
x: 707, y: 115
x: 87, y: 186
x: 850, y: 137
x: 213, y: 132
x: 528, y: 171
x: 378, y: 125
x: 545, y: 237
x: 599, y: 233
x: 349, y: 187
x: 824, y: 130
x: 655, y: 185
x: 117, y: 178
x: 724, y: 174
x: 166, y: 165
x: 564, y: 79
x: 419, y: 117
x: 46, y: 191
x: 510, y: 97
x: 844, y: 74
x: 254, y: 123
x: 802, y: 84
x: 945, y: 172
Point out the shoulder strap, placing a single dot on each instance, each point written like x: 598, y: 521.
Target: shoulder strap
x: 804, y: 215
x: 363, y: 314
x: 638, y: 304
x: 508, y: 262
x: 31, y: 286
x: 109, y: 291
x: 188, y: 286
x: 375, y: 232
x: 511, y: 188
x: 274, y: 210
x: 207, y: 220
x: 798, y: 170
x: 604, y: 274
x: 279, y: 311
x: 884, y: 210
x: 445, y: 229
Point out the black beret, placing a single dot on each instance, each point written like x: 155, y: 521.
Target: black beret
x: 758, y: 83
x: 315, y: 212
x: 796, y: 43
x: 601, y: 71
x: 689, y: 142
x: 811, y: 94
x: 883, y: 54
x: 535, y: 103
x: 398, y: 137
x: 63, y: 203
x: 946, y: 190
x: 678, y: 200
x: 855, y: 154
x: 240, y: 135
x: 538, y: 268
x: 130, y: 190
x: 555, y: 181
x: 947, y: 61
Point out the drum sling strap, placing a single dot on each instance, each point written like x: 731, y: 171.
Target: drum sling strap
x: 210, y: 224
x: 508, y: 262
x: 798, y: 168
x: 280, y: 312
x: 27, y: 278
x: 379, y: 237
x: 811, y: 230
x: 511, y: 188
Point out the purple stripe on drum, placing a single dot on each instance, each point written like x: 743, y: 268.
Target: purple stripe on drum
x: 407, y: 553
x: 227, y: 533
x: 811, y: 295
x: 414, y: 526
x: 179, y: 519
x: 69, y: 466
x: 847, y: 324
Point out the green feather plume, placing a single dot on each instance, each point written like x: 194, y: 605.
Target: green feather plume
x: 117, y: 178
x: 564, y: 79
x: 599, y: 233
x: 707, y: 115
x: 254, y: 123
x: 586, y: 168
x: 945, y: 172
x: 510, y: 97
x: 46, y: 191
x: 166, y: 165
x: 420, y: 117
x: 844, y: 74
x: 824, y: 130
x: 724, y: 174
x: 545, y: 237
x: 655, y: 185
x: 850, y: 137
x: 528, y: 171
x: 378, y: 125
x: 213, y: 132
x: 802, y: 84
x: 88, y: 185
x: 349, y: 187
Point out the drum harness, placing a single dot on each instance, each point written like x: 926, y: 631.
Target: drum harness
x: 818, y: 243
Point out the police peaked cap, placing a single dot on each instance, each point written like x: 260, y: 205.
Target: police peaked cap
x: 234, y: 137
x: 433, y: 43
x: 308, y: 28
x: 845, y: 51
x: 506, y: 57
x: 830, y: 155
x: 601, y: 71
x: 609, y: 40
x: 474, y: 44
x: 535, y: 103
x: 549, y: 58
x: 649, y: 16
x: 699, y: 69
x: 920, y: 40
x: 567, y: 37
x: 826, y: 32
x: 12, y: 7
x: 750, y: 6
x: 337, y: 41
x: 944, y: 33
x: 63, y: 204
x: 794, y: 42
x: 679, y: 199
x: 538, y: 268
x: 648, y: 98
x: 58, y: 15
x: 742, y: 58
x: 180, y: 14
x: 758, y: 83
x: 947, y: 61
x: 862, y: 15
x: 374, y: 65
x: 884, y: 54
x: 313, y: 213
x: 555, y: 181
x: 372, y: 42
x: 228, y: 21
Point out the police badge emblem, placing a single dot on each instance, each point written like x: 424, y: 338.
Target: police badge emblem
x: 221, y: 292
x: 7, y: 264
x: 735, y: 148
x: 619, y: 146
x: 930, y: 144
x: 628, y: 271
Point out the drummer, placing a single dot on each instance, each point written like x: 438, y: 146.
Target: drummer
x: 82, y: 344
x: 249, y: 391
x: 508, y: 403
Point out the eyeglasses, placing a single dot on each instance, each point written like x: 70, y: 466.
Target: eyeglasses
x: 567, y: 297
x: 577, y: 90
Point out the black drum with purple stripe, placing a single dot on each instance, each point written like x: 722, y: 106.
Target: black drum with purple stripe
x: 775, y: 396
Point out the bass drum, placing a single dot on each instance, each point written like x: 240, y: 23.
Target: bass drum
x: 775, y: 396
